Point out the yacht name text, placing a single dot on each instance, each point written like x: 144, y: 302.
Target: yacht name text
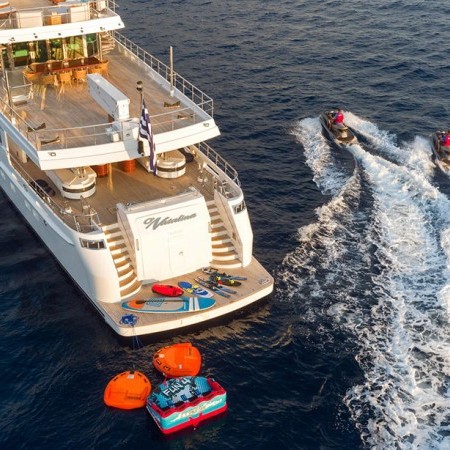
x: 156, y: 222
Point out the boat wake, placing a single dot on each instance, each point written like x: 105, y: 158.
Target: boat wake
x: 377, y: 262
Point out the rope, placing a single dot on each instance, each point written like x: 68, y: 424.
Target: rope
x: 131, y: 319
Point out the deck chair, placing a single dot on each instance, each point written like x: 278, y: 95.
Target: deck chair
x: 79, y: 75
x: 64, y: 78
x: 45, y: 81
x: 95, y: 69
x: 104, y: 65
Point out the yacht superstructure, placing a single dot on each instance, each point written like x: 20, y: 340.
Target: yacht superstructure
x: 74, y: 162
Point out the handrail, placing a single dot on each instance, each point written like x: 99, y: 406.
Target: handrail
x: 101, y: 133
x: 83, y: 223
x: 220, y: 162
x: 202, y: 100
x: 97, y: 133
x: 10, y: 23
x: 16, y: 119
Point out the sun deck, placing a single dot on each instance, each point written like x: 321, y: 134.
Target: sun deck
x: 118, y: 186
x: 26, y: 4
x: 72, y: 114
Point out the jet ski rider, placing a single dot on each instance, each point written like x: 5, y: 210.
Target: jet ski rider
x: 446, y: 139
x: 338, y: 117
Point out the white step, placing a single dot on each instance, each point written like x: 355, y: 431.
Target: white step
x: 228, y: 256
x: 130, y: 290
x: 235, y: 264
x: 222, y: 247
x: 219, y: 232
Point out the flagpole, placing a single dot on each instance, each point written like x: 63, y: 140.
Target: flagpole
x: 171, y: 71
x: 145, y: 131
x: 140, y: 89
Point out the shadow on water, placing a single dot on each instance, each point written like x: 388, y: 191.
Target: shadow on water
x: 442, y: 181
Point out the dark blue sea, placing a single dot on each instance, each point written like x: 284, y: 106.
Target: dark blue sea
x: 352, y: 350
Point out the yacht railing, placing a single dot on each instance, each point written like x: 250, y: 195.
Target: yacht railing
x: 82, y: 136
x: 103, y: 133
x: 220, y: 162
x: 15, y: 118
x: 54, y: 14
x: 85, y: 222
x: 197, y: 96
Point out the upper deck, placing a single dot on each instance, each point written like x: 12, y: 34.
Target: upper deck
x: 32, y: 20
x: 56, y: 119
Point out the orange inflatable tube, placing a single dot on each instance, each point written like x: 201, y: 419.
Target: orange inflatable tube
x: 128, y: 390
x: 178, y: 360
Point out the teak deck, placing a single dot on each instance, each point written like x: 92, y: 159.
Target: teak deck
x: 76, y: 108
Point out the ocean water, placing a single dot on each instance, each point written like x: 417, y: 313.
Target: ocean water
x: 352, y: 351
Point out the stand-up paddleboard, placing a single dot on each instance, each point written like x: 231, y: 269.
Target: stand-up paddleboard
x: 167, y: 290
x: 196, y: 290
x: 169, y: 304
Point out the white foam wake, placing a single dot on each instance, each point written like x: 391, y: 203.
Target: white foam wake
x: 396, y: 298
x: 318, y: 156
x: 405, y: 344
x: 415, y: 155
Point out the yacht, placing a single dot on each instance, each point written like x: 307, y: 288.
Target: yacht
x: 103, y: 150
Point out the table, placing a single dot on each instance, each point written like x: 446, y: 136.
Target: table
x: 61, y: 66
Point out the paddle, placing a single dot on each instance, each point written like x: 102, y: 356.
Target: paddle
x: 217, y: 290
x: 196, y: 290
x: 209, y: 284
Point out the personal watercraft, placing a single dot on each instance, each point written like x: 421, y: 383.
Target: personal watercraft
x: 338, y: 132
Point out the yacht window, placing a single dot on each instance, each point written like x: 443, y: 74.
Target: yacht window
x: 94, y: 245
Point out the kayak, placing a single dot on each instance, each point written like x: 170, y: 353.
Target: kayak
x: 167, y: 290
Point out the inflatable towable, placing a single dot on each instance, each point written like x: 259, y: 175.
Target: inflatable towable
x: 128, y: 390
x: 185, y: 402
x: 178, y: 360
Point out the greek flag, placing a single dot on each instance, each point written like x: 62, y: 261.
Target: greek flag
x: 145, y: 131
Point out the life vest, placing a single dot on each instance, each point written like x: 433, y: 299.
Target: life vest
x: 339, y: 118
x: 447, y: 140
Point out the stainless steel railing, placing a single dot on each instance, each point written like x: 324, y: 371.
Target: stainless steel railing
x: 202, y: 100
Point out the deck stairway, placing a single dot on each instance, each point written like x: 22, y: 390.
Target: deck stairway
x: 108, y: 43
x: 223, y: 251
x: 129, y: 284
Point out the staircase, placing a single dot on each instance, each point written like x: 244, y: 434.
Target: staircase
x: 128, y: 282
x: 108, y: 43
x: 223, y: 251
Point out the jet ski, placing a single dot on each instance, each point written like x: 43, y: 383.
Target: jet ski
x: 441, y: 150
x: 338, y: 132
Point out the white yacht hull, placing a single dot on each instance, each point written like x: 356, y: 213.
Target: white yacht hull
x: 68, y: 152
x: 92, y: 271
